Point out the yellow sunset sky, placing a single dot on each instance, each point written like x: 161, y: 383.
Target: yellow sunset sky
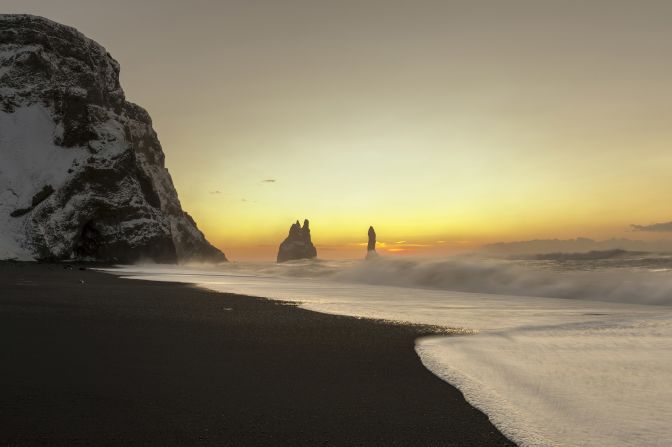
x: 445, y: 125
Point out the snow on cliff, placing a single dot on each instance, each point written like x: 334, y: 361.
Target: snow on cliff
x: 82, y: 172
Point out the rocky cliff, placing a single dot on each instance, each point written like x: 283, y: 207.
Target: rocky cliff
x: 298, y: 244
x: 82, y: 172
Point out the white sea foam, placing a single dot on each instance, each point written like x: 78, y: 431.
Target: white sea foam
x: 560, y: 369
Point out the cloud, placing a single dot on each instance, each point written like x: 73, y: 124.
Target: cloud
x: 657, y: 227
x: 268, y: 180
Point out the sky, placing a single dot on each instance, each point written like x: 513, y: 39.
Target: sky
x: 445, y: 125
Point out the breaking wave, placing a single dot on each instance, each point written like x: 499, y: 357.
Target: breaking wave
x: 637, y: 286
x: 635, y: 279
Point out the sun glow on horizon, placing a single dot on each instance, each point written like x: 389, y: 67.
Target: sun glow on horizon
x: 431, y: 121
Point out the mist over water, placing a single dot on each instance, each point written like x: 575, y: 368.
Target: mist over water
x: 638, y: 286
x: 638, y: 278
x: 565, y: 349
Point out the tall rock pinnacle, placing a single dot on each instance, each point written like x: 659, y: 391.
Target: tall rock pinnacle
x: 371, y: 247
x: 298, y: 244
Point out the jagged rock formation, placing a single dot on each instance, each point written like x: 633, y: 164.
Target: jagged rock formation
x: 371, y: 246
x: 298, y: 244
x: 82, y: 172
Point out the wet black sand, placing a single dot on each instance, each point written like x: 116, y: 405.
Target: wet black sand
x: 127, y: 362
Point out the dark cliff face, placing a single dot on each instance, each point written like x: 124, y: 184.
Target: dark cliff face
x: 298, y: 244
x: 85, y: 175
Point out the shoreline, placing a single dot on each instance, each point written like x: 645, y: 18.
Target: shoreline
x: 124, y: 361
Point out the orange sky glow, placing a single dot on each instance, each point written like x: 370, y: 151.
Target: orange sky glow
x: 447, y: 125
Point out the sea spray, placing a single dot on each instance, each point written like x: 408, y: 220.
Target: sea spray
x: 626, y: 280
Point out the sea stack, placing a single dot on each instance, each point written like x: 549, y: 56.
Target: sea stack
x: 83, y: 174
x: 298, y: 244
x: 371, y: 247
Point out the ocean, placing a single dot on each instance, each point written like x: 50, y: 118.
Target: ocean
x: 557, y: 350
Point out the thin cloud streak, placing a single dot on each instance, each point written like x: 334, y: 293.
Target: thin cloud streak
x: 654, y: 228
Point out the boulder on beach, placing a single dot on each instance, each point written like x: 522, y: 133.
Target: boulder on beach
x: 297, y: 245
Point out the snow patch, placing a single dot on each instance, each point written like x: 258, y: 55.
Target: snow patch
x: 30, y: 161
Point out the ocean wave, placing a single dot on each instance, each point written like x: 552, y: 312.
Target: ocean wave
x: 514, y: 278
x: 497, y: 276
x: 585, y: 256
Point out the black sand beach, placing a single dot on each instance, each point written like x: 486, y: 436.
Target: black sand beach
x: 126, y: 362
